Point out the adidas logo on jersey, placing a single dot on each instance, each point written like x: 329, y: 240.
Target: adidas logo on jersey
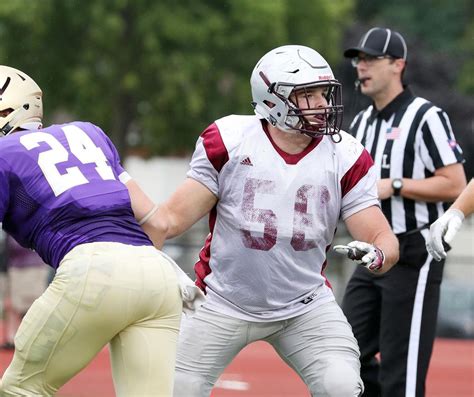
x: 246, y: 161
x: 309, y: 298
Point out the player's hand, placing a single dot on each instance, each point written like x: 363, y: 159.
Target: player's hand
x: 445, y: 228
x: 192, y: 295
x: 370, y: 256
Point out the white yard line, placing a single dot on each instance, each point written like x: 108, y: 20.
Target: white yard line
x: 232, y: 384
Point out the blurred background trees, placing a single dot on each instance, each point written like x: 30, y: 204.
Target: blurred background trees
x: 154, y: 73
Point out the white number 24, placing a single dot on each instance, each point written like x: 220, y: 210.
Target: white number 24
x: 81, y: 146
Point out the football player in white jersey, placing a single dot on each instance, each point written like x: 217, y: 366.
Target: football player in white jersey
x: 275, y: 185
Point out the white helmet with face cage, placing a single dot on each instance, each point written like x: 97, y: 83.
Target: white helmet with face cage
x: 21, y: 105
x: 293, y: 68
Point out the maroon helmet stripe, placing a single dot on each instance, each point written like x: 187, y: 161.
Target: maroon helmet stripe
x: 264, y: 78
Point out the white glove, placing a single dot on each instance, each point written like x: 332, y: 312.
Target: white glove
x: 445, y: 228
x: 192, y: 295
x: 371, y: 256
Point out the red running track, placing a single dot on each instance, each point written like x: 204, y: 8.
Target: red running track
x: 258, y: 372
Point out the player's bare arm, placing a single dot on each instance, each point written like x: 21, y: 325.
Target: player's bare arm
x: 371, y: 226
x: 145, y: 210
x: 141, y: 203
x: 189, y: 203
x: 465, y: 202
x: 446, y: 184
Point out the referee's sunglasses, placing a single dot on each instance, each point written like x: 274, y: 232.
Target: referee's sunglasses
x: 368, y: 59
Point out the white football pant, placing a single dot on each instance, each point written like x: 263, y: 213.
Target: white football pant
x: 318, y: 345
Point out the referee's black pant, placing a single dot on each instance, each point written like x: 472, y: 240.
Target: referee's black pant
x: 395, y: 314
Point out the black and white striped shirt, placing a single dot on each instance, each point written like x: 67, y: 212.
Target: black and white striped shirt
x: 409, y: 138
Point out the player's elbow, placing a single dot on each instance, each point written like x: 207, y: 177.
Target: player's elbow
x: 158, y: 228
x: 161, y: 222
x: 166, y: 223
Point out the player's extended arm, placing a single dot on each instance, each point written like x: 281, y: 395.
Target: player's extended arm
x: 155, y: 223
x: 446, y: 227
x: 465, y: 202
x: 189, y: 203
x: 373, y: 234
x: 144, y: 210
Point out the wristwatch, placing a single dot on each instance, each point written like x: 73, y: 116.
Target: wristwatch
x: 397, y: 185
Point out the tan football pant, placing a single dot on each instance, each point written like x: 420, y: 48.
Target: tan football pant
x: 102, y: 292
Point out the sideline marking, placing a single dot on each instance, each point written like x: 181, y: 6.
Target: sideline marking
x: 232, y: 384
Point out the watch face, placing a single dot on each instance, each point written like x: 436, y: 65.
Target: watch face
x: 397, y: 184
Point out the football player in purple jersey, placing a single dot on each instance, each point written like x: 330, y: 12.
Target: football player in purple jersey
x: 275, y: 185
x: 64, y: 193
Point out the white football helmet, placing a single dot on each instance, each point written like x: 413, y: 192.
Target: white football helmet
x: 21, y: 106
x: 294, y: 67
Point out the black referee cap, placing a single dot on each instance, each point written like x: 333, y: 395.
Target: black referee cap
x: 378, y: 42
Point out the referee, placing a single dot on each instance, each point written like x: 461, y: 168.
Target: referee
x: 419, y: 166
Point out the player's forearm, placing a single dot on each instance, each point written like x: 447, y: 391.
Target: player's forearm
x: 189, y: 203
x: 157, y: 229
x: 388, y: 243
x: 371, y: 226
x: 169, y: 223
x: 465, y: 202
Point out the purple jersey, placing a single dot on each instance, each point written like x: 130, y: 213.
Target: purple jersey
x: 63, y: 186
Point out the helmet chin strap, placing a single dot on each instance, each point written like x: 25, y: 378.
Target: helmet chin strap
x: 12, y: 120
x: 302, y: 127
x: 32, y: 125
x: 15, y: 124
x: 6, y: 129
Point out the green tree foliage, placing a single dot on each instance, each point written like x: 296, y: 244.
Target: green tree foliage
x: 466, y: 75
x: 440, y: 37
x: 440, y: 23
x: 446, y: 29
x: 155, y: 73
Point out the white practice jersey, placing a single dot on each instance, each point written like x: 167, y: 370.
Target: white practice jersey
x: 276, y: 216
